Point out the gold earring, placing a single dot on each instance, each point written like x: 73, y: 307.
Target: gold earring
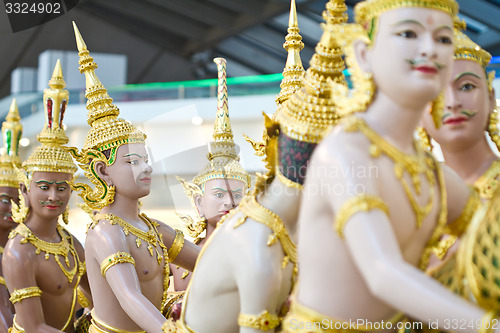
x: 493, y: 128
x: 437, y: 110
x: 424, y: 138
x: 65, y: 216
x: 19, y: 213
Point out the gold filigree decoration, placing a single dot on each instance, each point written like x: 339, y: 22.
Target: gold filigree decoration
x: 263, y: 321
x: 21, y: 294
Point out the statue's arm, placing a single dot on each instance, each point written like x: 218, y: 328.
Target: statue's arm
x: 6, y: 313
x: 372, y: 243
x: 184, y: 256
x: 108, y: 241
x: 258, y: 277
x: 18, y: 265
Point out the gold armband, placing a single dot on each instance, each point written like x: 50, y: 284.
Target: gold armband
x: 116, y: 258
x: 21, y: 294
x: 2, y: 281
x: 263, y: 321
x: 176, y: 245
x: 360, y: 203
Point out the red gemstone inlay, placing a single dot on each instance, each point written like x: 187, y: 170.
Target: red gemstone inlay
x: 49, y: 112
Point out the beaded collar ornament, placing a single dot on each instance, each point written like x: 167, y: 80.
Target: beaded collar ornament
x: 12, y: 131
x: 107, y: 132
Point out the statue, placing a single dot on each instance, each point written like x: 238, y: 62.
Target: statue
x: 43, y: 263
x: 128, y: 254
x: 248, y: 267
x: 9, y: 191
x: 222, y: 183
x: 469, y: 113
x: 374, y: 202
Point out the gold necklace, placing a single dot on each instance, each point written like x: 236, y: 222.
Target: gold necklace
x: 251, y: 208
x: 487, y: 183
x: 63, y: 248
x: 413, y: 165
x: 150, y: 237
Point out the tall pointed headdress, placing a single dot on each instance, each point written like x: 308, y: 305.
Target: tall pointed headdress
x: 466, y: 49
x: 106, y: 134
x: 51, y: 155
x: 12, y: 131
x: 223, y: 159
x: 293, y: 71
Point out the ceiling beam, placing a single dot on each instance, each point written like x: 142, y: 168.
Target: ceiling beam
x: 200, y: 11
x: 481, y: 11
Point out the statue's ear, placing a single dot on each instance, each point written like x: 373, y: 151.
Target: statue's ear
x: 361, y: 52
x: 101, y: 169
x: 23, y: 190
x: 199, y: 204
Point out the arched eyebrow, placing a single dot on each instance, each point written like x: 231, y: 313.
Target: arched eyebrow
x: 5, y: 195
x: 222, y: 189
x: 63, y: 182
x: 44, y: 181
x: 135, y: 154
x: 459, y: 76
x: 421, y: 25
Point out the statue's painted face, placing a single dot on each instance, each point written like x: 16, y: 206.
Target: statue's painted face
x: 468, y: 104
x: 48, y: 194
x: 131, y: 172
x: 219, y: 197
x: 411, y: 56
x: 7, y: 195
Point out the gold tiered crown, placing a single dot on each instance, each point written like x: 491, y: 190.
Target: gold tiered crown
x: 311, y: 110
x: 293, y: 71
x: 466, y: 49
x: 366, y: 11
x: 51, y: 155
x: 108, y: 131
x: 223, y: 157
x: 12, y: 131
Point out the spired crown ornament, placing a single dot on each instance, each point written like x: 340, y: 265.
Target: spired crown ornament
x: 223, y: 159
x: 51, y: 155
x: 12, y: 131
x: 466, y: 49
x: 106, y: 134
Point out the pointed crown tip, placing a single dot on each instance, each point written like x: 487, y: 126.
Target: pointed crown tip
x: 80, y: 43
x: 292, y: 20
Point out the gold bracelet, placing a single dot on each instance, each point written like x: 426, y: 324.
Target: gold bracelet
x: 2, y: 281
x: 176, y: 246
x: 116, y: 258
x: 20, y: 294
x: 263, y: 321
x: 360, y: 203
x: 486, y: 322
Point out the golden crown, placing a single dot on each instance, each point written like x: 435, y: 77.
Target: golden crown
x: 223, y: 157
x: 366, y: 11
x: 51, y: 155
x: 308, y: 113
x: 466, y: 49
x: 108, y: 131
x: 293, y: 71
x: 12, y: 131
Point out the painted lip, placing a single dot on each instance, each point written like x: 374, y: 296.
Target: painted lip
x: 8, y: 217
x: 426, y: 69
x: 52, y: 206
x: 224, y: 212
x: 455, y: 120
x: 146, y: 180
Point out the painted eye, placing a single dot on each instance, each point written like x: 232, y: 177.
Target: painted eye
x: 43, y: 187
x: 5, y: 201
x: 62, y: 188
x: 445, y: 40
x: 134, y: 162
x: 408, y: 34
x: 237, y: 196
x: 467, y: 87
x: 219, y: 195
